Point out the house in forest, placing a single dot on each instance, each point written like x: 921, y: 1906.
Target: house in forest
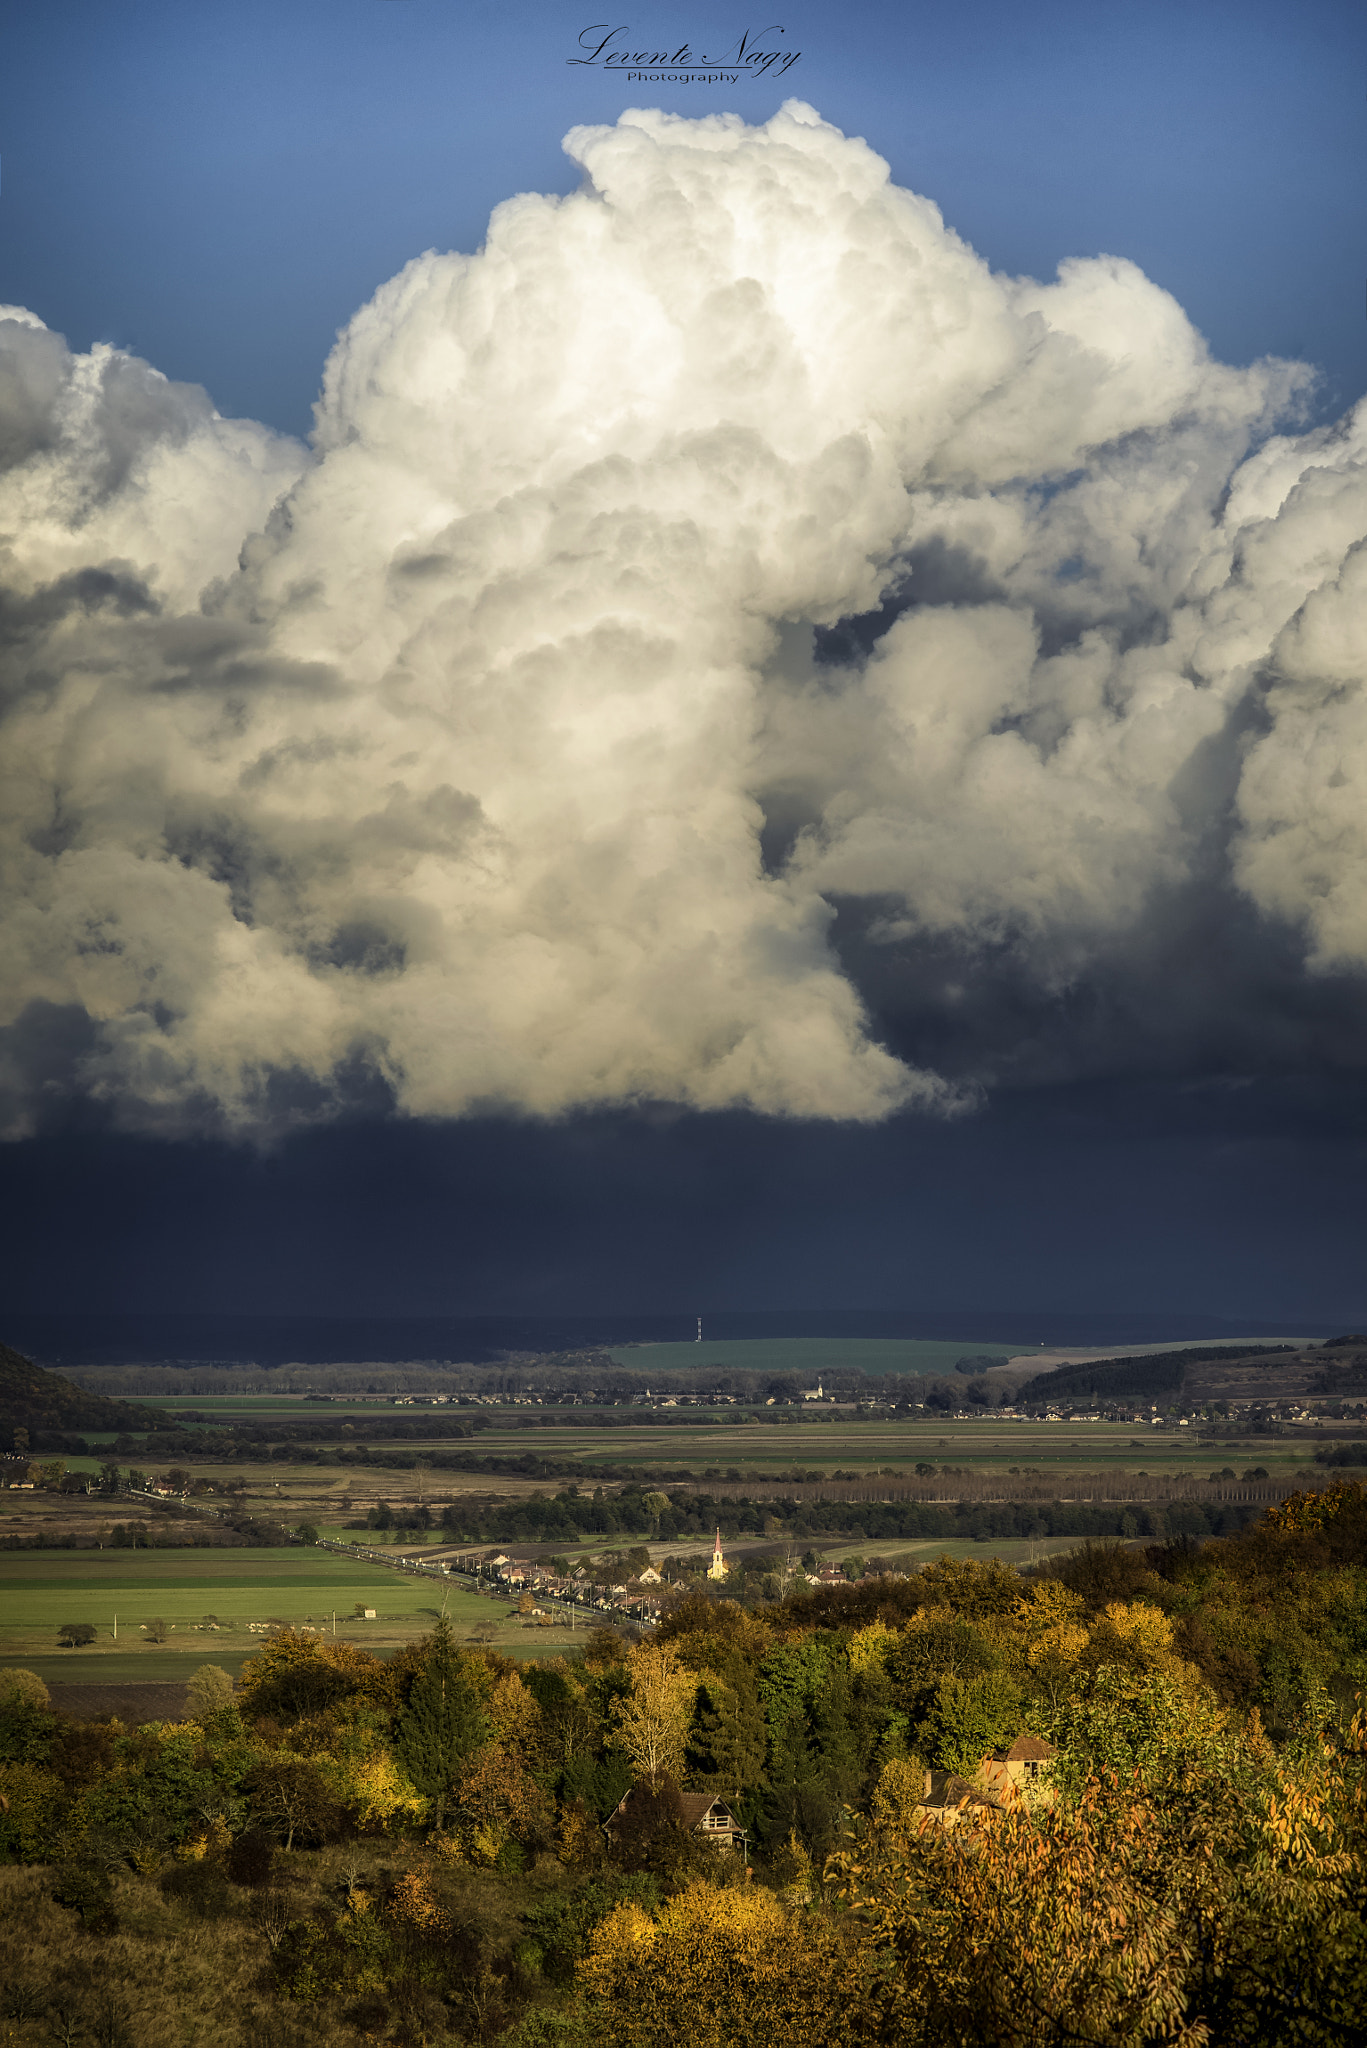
x: 699, y: 1812
x: 1001, y: 1778
x: 949, y: 1799
x: 1025, y: 1765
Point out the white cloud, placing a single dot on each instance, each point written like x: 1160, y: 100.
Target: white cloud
x: 443, y: 748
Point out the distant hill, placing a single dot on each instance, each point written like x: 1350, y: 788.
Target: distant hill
x: 35, y: 1400
x: 1161, y: 1373
x: 266, y: 1341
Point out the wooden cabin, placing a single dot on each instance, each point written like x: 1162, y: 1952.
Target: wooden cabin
x: 703, y: 1814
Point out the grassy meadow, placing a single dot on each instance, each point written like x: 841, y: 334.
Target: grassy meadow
x: 208, y: 1598
x: 807, y: 1358
x: 838, y: 1442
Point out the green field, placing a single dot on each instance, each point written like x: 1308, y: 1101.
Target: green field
x: 761, y: 1451
x: 807, y: 1358
x: 40, y: 1591
x: 721, y: 1443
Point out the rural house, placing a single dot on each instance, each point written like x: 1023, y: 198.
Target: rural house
x: 1025, y: 1764
x: 948, y: 1798
x: 702, y: 1814
x: 1000, y: 1778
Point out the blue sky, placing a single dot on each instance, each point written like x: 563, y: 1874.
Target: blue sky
x: 217, y: 189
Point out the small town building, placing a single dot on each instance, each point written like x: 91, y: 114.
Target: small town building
x: 718, y: 1567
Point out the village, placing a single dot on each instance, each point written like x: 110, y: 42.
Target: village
x: 545, y: 1595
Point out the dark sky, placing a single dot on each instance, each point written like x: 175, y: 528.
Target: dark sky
x: 1147, y: 1198
x: 1176, y: 1125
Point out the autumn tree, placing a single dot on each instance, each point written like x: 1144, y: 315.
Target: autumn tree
x: 294, y: 1674
x: 720, y: 1966
x: 210, y: 1690
x: 496, y: 1801
x: 651, y: 1721
x: 22, y: 1689
x: 1189, y: 1900
x: 292, y: 1797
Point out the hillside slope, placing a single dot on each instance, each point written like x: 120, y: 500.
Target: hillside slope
x: 34, y: 1399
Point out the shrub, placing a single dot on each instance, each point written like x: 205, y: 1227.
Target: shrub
x: 73, y: 1635
x: 202, y: 1887
x: 210, y: 1689
x: 250, y: 1858
x: 87, y: 1890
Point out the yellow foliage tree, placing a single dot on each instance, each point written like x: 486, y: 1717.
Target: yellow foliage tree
x: 1138, y: 1637
x: 498, y: 1801
x: 369, y: 1781
x: 721, y: 1966
x: 652, y: 1720
x: 1315, y: 1510
x: 870, y: 1646
x: 897, y: 1797
x: 581, y: 1838
x: 515, y: 1714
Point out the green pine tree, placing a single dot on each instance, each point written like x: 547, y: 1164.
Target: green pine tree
x: 443, y: 1722
x: 727, y: 1740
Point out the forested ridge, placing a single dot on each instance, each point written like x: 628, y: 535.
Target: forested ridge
x: 35, y: 1402
x: 340, y: 1849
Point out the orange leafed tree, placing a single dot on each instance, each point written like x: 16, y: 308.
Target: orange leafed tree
x: 1316, y: 1510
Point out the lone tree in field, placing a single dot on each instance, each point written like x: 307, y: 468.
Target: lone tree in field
x: 443, y: 1723
x: 155, y: 1631
x: 73, y: 1635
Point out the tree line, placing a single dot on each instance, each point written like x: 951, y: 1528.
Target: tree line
x: 340, y: 1847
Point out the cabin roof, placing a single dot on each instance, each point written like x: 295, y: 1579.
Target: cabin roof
x: 695, y: 1805
x: 1029, y: 1749
x: 947, y: 1788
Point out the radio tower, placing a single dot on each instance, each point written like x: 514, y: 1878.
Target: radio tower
x: 698, y: 1338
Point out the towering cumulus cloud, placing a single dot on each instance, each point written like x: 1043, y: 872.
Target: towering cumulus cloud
x: 506, y: 749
